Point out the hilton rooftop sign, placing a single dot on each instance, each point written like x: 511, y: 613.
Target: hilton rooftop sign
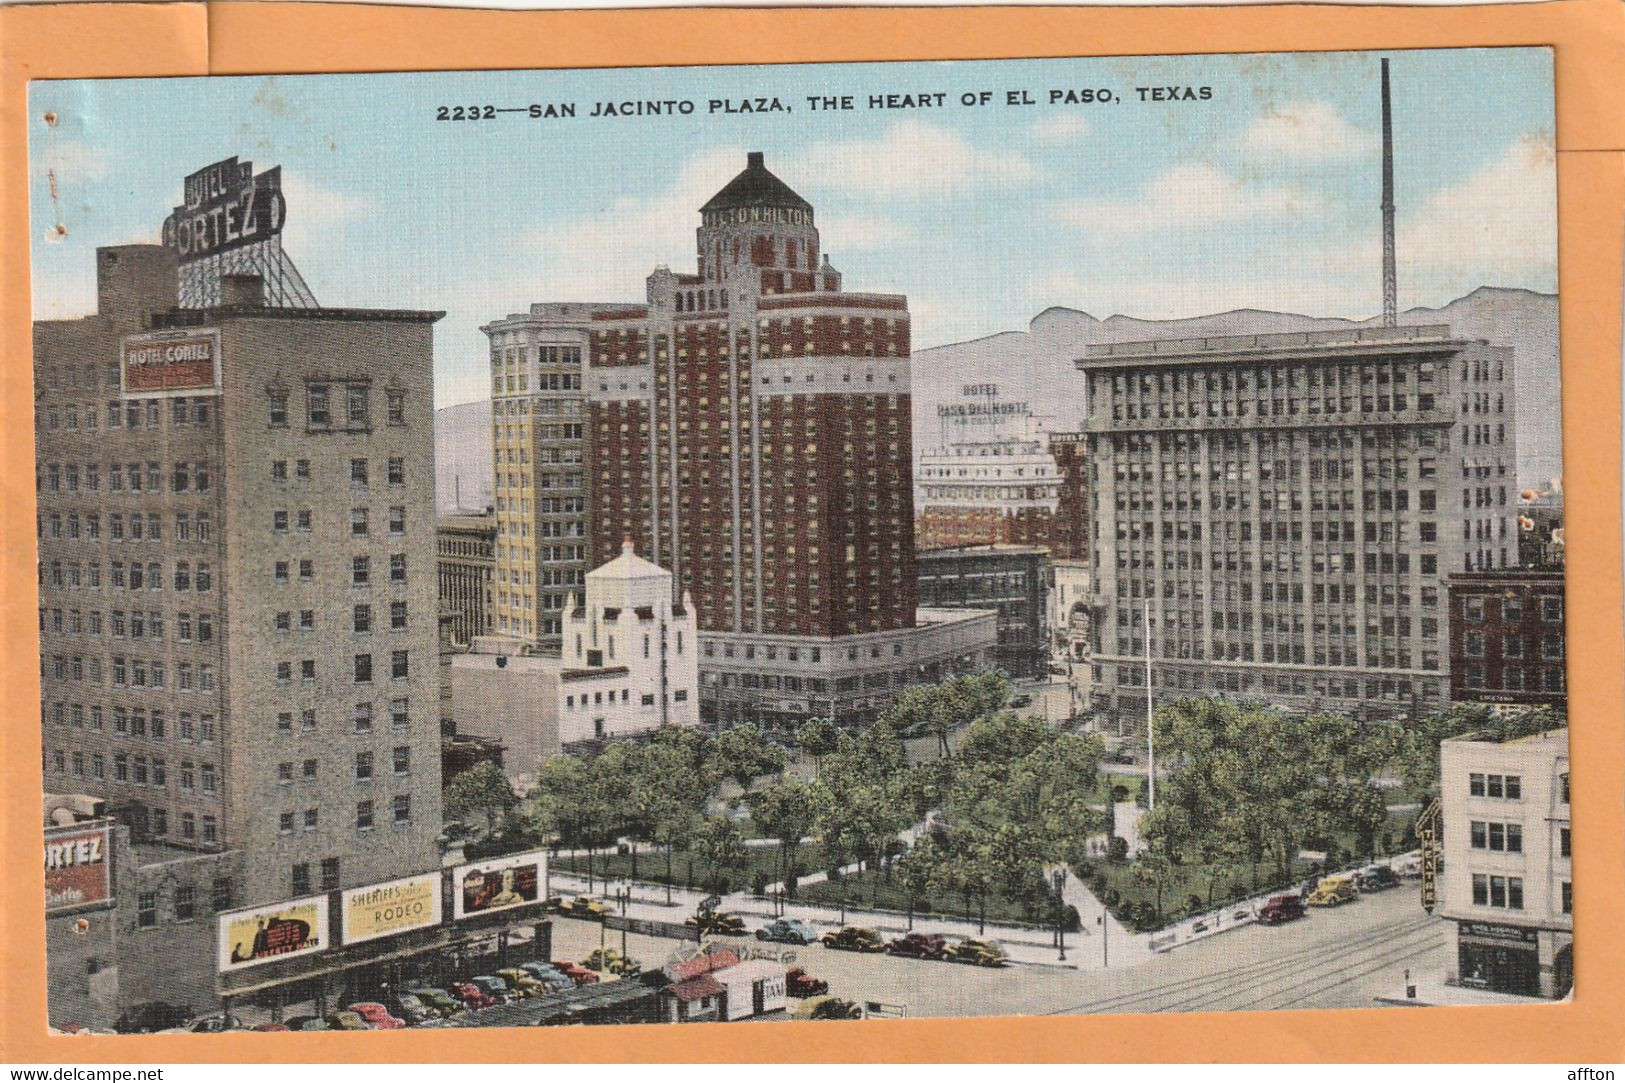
x: 227, y: 206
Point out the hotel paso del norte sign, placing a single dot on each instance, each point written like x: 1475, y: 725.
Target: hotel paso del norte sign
x: 226, y: 207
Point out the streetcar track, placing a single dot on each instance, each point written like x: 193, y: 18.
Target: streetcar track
x: 1258, y: 969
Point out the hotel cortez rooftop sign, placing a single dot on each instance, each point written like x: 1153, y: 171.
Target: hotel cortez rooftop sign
x: 226, y: 207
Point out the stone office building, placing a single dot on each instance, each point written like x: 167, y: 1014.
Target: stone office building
x: 1288, y: 507
x: 466, y: 550
x: 1010, y: 580
x: 237, y: 604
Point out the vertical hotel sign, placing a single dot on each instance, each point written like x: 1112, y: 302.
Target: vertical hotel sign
x: 166, y: 363
x: 78, y: 867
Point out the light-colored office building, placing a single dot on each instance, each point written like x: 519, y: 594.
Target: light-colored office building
x: 1507, y: 882
x: 1288, y: 507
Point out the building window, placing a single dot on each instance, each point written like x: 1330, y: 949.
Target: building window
x: 402, y: 760
x: 361, y: 618
x: 211, y: 832
x: 317, y: 414
x: 1568, y: 897
x: 363, y: 717
x: 398, y: 714
x: 279, y: 409
x: 363, y: 766
x: 397, y: 520
x: 330, y: 874
x: 397, y: 616
x: 310, y: 819
x: 146, y: 909
x: 358, y: 522
x: 357, y: 406
x: 397, y: 407
x: 285, y: 823
x: 363, y: 669
x: 397, y: 568
x: 300, y: 879
x: 363, y: 815
x: 222, y: 899
x: 397, y: 665
x: 397, y: 471
x: 360, y: 571
x: 1551, y: 610
x: 402, y: 808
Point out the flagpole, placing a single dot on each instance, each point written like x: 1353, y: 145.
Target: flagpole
x: 1150, y: 741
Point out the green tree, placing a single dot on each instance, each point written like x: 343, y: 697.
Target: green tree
x: 481, y: 790
x: 818, y: 738
x: 719, y: 844
x: 744, y: 755
x: 784, y: 811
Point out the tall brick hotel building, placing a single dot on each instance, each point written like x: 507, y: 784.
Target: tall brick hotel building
x: 748, y: 427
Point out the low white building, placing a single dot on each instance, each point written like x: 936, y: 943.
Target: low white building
x: 1507, y: 883
x: 629, y: 666
x: 754, y: 987
x: 1067, y: 617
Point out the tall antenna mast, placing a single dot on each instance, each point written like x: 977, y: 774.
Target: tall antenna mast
x: 1390, y: 284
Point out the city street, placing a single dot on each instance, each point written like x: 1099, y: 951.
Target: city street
x: 1338, y: 958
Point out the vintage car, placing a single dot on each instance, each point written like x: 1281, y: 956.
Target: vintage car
x: 377, y: 1016
x: 493, y: 987
x: 827, y: 1007
x: 1376, y: 878
x: 578, y: 974
x: 787, y: 931
x: 720, y: 923
x: 439, y: 1001
x: 799, y: 984
x: 549, y: 975
x: 472, y: 996
x: 153, y: 1015
x: 611, y: 961
x: 1333, y: 891
x: 978, y: 953
x: 522, y: 983
x: 305, y: 1022
x: 1278, y: 909
x: 853, y: 938
x: 585, y: 906
x: 918, y: 946
x: 347, y: 1021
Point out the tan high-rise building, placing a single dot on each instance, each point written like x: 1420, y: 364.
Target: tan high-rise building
x: 237, y: 576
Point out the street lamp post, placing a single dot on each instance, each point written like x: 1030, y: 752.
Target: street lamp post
x: 1060, y: 912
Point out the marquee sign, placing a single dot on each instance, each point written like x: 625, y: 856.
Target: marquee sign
x: 227, y: 206
x: 78, y: 866
x: 164, y: 363
x: 396, y: 907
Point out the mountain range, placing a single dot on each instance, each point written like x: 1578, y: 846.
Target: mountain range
x: 1036, y: 366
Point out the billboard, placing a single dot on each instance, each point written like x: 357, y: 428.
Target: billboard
x: 226, y: 207
x: 265, y: 934
x: 170, y: 362
x: 399, y: 906
x: 497, y: 884
x: 78, y: 866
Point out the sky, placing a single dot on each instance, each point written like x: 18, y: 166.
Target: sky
x: 1264, y: 195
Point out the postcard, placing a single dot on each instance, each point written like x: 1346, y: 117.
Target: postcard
x: 800, y: 542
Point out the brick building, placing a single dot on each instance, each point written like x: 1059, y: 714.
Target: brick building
x: 1507, y: 638
x: 237, y: 609
x: 747, y: 425
x: 1069, y: 530
x: 987, y: 492
x: 1289, y: 507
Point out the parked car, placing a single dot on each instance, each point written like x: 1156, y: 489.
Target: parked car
x: 439, y: 1001
x: 494, y: 987
x: 799, y: 984
x: 410, y: 1009
x: 608, y: 959
x: 1281, y: 908
x: 347, y: 1021
x: 1022, y: 700
x: 720, y: 923
x: 918, y: 946
x: 153, y: 1015
x: 549, y: 975
x: 1375, y: 878
x: 853, y: 938
x: 827, y: 1007
x: 578, y: 974
x: 978, y: 953
x: 1408, y: 865
x: 585, y: 906
x: 305, y: 1022
x: 473, y: 997
x: 215, y: 1024
x: 1333, y: 891
x: 377, y: 1015
x: 787, y: 931
x: 270, y: 1028
x: 521, y: 983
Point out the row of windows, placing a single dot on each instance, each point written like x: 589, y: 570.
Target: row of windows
x: 1512, y: 646
x: 184, y: 477
x: 134, y: 624
x: 125, y: 413
x: 400, y: 761
x: 134, y: 722
x: 131, y: 576
x: 1551, y: 608
x: 137, y: 770
x: 360, y: 570
x: 361, y: 717
x: 147, y: 527
x: 183, y: 897
x: 360, y: 471
x: 345, y: 405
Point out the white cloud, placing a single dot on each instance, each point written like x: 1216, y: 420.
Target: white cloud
x: 1308, y: 130
x: 912, y: 158
x: 1060, y: 128
x: 1187, y: 195
x: 602, y: 256
x: 860, y: 232
x: 1497, y: 227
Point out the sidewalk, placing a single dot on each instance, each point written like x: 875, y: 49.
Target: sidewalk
x: 1436, y: 993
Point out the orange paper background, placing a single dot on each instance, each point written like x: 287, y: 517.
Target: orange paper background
x: 85, y: 40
